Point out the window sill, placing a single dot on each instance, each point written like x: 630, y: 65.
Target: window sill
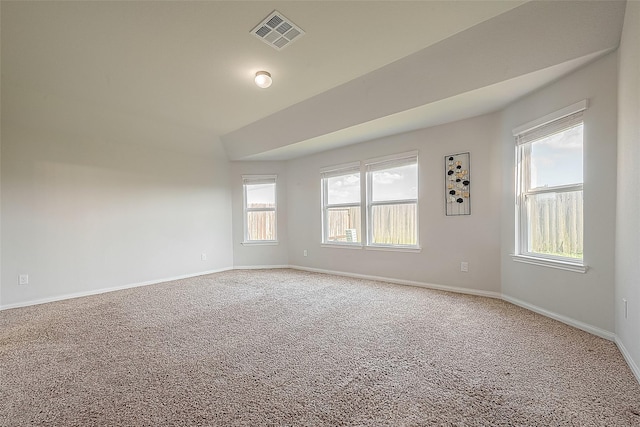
x: 372, y: 248
x: 551, y: 263
x: 260, y: 243
x: 341, y: 245
x: 414, y: 249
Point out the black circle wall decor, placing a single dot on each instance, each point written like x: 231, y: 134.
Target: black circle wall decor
x: 457, y: 183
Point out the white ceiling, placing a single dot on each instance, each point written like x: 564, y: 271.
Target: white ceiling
x: 468, y: 104
x: 192, y: 63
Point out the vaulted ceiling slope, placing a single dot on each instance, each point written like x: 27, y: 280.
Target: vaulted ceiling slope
x: 177, y: 74
x: 475, y: 71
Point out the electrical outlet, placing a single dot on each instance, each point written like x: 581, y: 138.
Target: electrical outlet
x: 464, y: 266
x: 304, y: 252
x: 203, y: 256
x: 626, y: 307
x: 23, y: 279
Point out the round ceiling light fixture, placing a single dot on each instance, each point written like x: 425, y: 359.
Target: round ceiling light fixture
x: 263, y: 79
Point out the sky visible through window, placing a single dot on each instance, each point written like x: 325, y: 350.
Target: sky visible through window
x: 261, y: 195
x: 344, y: 189
x: 396, y: 183
x: 557, y: 159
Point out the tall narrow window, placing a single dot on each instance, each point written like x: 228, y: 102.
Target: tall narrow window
x: 550, y: 188
x: 341, y: 212
x: 392, y: 201
x: 260, y: 208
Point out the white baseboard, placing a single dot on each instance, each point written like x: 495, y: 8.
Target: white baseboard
x: 259, y: 267
x: 468, y: 291
x: 564, y: 319
x: 105, y: 290
x: 627, y: 356
x: 567, y: 320
x: 580, y: 325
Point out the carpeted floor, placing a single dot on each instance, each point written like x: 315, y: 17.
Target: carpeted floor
x: 289, y: 348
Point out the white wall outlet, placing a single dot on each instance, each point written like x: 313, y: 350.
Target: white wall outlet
x: 626, y: 307
x: 203, y: 256
x: 23, y: 279
x: 304, y: 252
x: 464, y: 266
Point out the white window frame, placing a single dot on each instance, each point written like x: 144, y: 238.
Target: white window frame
x: 382, y: 163
x: 332, y: 172
x: 525, y: 135
x: 253, y: 180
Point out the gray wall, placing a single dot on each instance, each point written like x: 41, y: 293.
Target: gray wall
x: 445, y: 241
x: 586, y: 297
x: 628, y: 212
x: 85, y: 210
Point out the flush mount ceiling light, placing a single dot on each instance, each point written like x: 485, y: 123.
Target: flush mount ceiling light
x: 263, y: 79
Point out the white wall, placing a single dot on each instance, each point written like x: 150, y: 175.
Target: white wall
x: 445, y: 241
x: 259, y: 255
x: 586, y: 297
x: 89, y: 210
x: 628, y: 212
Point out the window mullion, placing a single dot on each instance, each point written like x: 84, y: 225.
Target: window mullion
x: 261, y: 209
x: 558, y: 189
x: 369, y: 206
x: 343, y: 205
x: 395, y: 202
x: 325, y: 212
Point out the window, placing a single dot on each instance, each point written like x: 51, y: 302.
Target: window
x: 259, y: 208
x: 391, y: 196
x: 341, y: 209
x: 550, y: 187
x: 392, y: 201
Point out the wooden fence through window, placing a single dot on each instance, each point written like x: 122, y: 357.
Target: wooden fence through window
x: 556, y: 224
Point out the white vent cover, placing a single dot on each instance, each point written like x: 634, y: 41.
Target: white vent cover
x: 277, y: 31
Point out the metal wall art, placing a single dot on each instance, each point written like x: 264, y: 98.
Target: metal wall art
x: 457, y: 183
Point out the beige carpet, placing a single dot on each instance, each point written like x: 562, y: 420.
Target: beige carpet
x: 289, y: 348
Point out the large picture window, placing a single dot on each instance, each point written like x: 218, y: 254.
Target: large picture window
x: 341, y: 211
x: 392, y: 201
x: 260, y: 208
x: 550, y: 188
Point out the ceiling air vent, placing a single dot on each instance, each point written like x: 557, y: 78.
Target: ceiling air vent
x: 277, y: 31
